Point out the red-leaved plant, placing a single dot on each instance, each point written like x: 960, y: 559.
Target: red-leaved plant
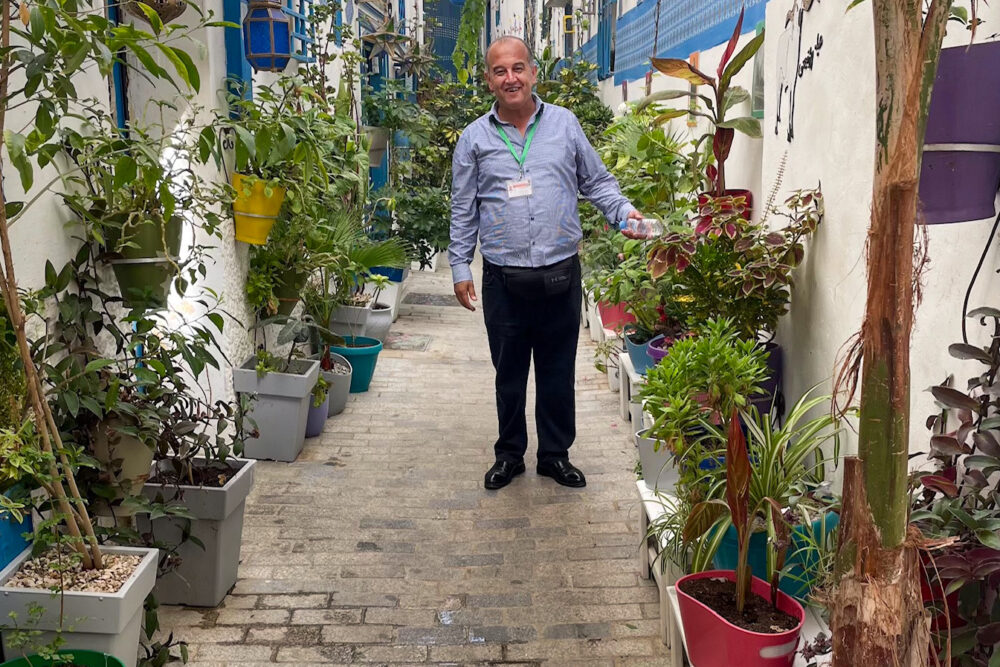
x: 725, y: 97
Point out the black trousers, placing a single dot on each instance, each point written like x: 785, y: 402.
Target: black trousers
x: 545, y: 329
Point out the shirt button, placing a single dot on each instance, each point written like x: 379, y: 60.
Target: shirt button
x: 532, y: 218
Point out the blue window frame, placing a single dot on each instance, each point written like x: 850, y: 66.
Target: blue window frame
x: 118, y: 77
x: 606, y: 39
x: 303, y: 39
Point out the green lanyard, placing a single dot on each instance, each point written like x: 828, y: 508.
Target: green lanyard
x: 527, y: 144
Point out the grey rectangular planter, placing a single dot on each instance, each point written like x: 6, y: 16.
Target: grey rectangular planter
x: 204, y: 576
x: 105, y: 622
x: 280, y: 410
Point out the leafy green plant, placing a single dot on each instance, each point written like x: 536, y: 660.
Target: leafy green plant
x: 319, y: 391
x: 724, y: 97
x: 630, y: 282
x: 789, y: 466
x: 651, y: 166
x: 703, y: 378
x: 729, y: 265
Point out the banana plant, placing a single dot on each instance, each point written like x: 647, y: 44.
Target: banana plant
x: 724, y: 97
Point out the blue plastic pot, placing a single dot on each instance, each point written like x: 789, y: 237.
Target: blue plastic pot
x: 362, y: 353
x: 793, y: 582
x: 11, y: 541
x: 639, y: 354
x: 395, y: 275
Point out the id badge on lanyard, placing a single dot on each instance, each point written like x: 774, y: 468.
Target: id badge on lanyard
x: 520, y: 187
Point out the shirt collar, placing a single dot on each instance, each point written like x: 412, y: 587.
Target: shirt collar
x: 539, y: 105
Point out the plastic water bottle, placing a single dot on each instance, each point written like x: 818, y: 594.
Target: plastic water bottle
x: 647, y: 228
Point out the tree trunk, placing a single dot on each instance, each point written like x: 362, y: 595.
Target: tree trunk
x: 878, y: 617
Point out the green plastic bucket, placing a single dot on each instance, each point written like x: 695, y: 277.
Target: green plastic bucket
x: 81, y: 658
x: 362, y: 353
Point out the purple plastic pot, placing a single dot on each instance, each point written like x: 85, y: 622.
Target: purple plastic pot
x: 658, y: 348
x: 771, y: 385
x: 960, y: 172
x: 317, y: 417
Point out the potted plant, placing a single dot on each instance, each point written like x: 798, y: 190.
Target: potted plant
x: 192, y: 506
x: 958, y: 503
x: 724, y: 97
x: 108, y: 621
x: 650, y: 303
x: 788, y: 468
x: 282, y: 390
x: 320, y: 302
x: 344, y: 255
x: 731, y: 617
x: 700, y: 378
x: 319, y: 408
x: 728, y: 265
x: 380, y: 318
x: 133, y: 194
x: 64, y: 551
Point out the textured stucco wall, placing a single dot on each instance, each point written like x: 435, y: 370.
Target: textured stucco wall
x: 834, y: 144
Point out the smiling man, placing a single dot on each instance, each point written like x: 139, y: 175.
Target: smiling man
x: 517, y: 173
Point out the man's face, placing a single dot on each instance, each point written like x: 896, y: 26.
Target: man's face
x: 510, y: 75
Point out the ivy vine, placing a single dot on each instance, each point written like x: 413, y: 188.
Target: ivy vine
x: 466, y: 52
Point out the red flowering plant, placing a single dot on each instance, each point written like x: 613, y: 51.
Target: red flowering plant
x: 727, y: 265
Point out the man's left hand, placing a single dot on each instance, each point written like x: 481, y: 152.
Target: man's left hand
x: 634, y: 215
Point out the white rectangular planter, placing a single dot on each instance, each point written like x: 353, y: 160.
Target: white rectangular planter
x: 596, y: 328
x: 280, y: 410
x: 204, y: 576
x: 106, y: 622
x: 392, y: 296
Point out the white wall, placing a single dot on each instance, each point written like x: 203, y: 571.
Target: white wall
x: 834, y: 144
x: 41, y: 235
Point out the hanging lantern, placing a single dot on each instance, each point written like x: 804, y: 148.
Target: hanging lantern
x: 267, y: 36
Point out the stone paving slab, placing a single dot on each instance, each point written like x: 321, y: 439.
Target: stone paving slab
x: 379, y: 545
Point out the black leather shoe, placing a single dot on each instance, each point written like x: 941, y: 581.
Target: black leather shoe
x: 563, y: 472
x: 501, y: 474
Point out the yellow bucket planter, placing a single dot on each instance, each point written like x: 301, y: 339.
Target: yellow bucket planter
x: 255, y: 214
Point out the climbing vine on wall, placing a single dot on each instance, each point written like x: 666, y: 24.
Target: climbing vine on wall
x: 466, y: 53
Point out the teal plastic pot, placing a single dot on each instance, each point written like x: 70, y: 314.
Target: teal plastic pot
x: 362, y: 353
x: 81, y: 658
x: 793, y: 582
x: 11, y: 541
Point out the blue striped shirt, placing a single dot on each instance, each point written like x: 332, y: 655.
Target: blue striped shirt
x: 544, y: 227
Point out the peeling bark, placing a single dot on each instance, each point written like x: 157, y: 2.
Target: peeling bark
x: 878, y: 616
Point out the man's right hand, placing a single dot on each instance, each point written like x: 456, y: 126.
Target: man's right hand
x: 465, y: 292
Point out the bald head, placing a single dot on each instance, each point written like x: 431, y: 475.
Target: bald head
x: 510, y: 40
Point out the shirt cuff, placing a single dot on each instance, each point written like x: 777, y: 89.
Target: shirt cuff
x: 623, y: 212
x: 460, y: 273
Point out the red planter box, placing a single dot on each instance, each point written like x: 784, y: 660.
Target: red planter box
x: 613, y: 316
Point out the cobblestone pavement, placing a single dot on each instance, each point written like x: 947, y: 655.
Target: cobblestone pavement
x: 380, y: 545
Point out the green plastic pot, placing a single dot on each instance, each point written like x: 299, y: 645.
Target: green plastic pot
x: 81, y: 658
x: 289, y: 291
x: 146, y: 271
